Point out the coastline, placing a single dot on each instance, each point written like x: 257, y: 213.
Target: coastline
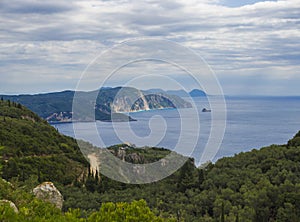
x: 151, y: 110
x: 130, y: 118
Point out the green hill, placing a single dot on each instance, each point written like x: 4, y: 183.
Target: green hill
x: 260, y: 185
x: 30, y: 146
x: 32, y: 151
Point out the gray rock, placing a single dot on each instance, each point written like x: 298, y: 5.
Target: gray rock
x: 48, y: 192
x: 11, y: 204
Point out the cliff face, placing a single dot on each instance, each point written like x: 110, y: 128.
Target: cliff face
x: 127, y: 99
x: 147, y: 102
x: 58, y: 106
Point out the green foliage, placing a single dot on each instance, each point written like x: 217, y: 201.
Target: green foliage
x: 261, y: 185
x: 37, y: 211
x: 137, y: 211
x: 14, y: 110
x: 31, y: 209
x: 295, y: 141
x: 29, y: 146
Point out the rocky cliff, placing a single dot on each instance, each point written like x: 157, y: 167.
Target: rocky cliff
x: 57, y: 107
x: 133, y: 101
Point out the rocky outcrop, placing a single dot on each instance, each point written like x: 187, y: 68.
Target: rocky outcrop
x: 48, y: 192
x: 135, y: 158
x: 121, y: 153
x: 133, y: 103
x: 11, y: 204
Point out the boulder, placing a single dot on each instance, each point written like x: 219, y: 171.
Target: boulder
x: 48, y: 192
x: 11, y: 204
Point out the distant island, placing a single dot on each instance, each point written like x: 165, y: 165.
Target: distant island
x: 197, y: 93
x: 204, y: 110
x: 181, y: 93
x: 110, y: 104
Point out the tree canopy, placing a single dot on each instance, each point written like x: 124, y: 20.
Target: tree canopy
x: 260, y: 185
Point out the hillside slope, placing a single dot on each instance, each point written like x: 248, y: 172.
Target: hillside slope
x: 30, y: 146
x: 260, y: 185
x: 58, y: 106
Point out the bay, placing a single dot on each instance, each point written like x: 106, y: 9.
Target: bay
x: 252, y: 122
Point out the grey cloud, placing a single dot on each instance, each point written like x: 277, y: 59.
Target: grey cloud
x: 34, y: 7
x: 259, y: 36
x: 168, y: 4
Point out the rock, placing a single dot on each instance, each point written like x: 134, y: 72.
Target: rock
x: 48, y: 192
x: 135, y: 158
x: 206, y: 110
x: 11, y: 204
x: 121, y: 153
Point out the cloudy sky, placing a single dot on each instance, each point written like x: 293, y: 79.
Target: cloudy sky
x: 253, y: 46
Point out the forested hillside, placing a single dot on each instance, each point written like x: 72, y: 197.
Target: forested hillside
x: 57, y: 106
x: 30, y: 146
x: 260, y: 185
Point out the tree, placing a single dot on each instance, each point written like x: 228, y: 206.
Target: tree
x: 201, y: 177
x: 287, y: 213
x: 187, y: 177
x: 137, y: 211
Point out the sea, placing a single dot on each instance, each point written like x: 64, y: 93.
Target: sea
x: 250, y: 123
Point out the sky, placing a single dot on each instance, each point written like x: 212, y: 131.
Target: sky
x: 252, y: 46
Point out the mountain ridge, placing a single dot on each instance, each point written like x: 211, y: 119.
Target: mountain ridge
x: 110, y: 103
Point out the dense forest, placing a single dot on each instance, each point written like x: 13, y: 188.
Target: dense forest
x: 260, y: 185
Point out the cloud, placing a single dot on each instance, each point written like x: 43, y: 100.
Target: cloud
x: 33, y: 7
x: 63, y: 36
